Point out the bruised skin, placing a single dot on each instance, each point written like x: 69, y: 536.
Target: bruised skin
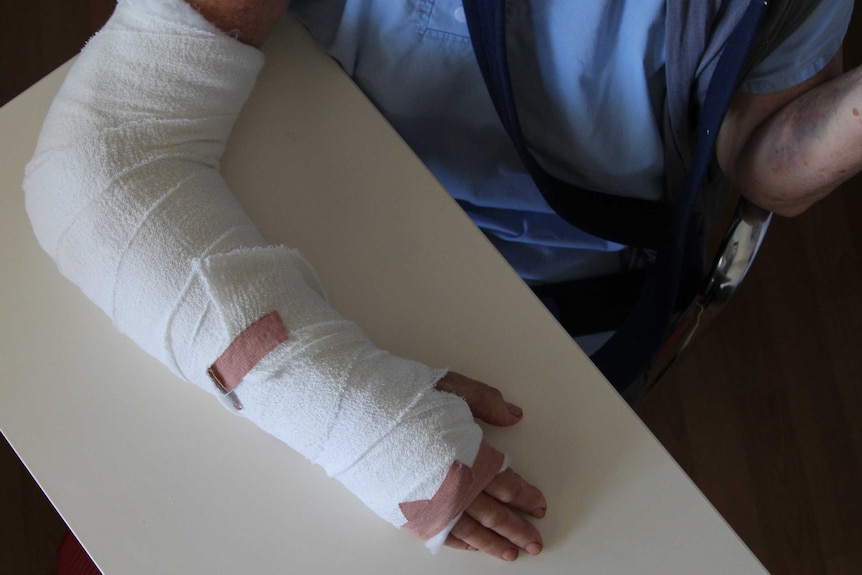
x: 787, y: 150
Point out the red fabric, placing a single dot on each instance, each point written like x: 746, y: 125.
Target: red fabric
x: 73, y: 560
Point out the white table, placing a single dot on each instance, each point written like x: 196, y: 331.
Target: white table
x: 154, y: 476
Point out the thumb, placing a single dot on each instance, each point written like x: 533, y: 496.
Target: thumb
x: 485, y: 402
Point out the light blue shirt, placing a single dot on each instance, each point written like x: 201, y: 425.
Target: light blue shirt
x: 589, y: 82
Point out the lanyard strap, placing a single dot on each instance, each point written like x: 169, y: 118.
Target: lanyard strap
x: 636, y: 343
x: 627, y: 221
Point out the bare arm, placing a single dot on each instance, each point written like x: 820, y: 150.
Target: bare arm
x: 250, y: 21
x: 785, y: 151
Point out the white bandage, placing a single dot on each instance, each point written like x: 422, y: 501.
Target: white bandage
x: 124, y: 193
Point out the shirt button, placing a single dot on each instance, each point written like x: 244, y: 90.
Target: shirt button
x: 460, y: 16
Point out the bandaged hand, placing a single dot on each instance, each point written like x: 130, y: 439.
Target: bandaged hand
x: 494, y: 522
x: 124, y: 193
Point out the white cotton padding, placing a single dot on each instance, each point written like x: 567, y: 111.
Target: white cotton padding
x: 180, y: 12
x: 124, y: 193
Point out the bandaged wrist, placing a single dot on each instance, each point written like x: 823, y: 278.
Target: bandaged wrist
x: 124, y: 193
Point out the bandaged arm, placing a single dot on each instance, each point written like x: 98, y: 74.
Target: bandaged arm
x: 125, y: 194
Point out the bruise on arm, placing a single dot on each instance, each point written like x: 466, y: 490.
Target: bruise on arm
x: 772, y: 146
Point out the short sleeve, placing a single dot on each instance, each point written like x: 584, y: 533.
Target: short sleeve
x: 805, y: 52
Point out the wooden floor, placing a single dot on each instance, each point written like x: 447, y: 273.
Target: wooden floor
x: 765, y: 413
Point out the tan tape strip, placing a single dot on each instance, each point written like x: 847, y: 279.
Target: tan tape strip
x: 244, y: 352
x: 426, y: 518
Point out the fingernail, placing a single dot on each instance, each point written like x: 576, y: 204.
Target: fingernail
x: 534, y: 548
x: 471, y: 548
x: 510, y: 554
x: 515, y: 410
x: 539, y: 513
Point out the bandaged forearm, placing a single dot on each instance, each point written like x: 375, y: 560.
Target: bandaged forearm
x: 124, y: 193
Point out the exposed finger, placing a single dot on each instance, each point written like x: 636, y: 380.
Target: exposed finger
x: 514, y: 490
x: 455, y: 543
x: 505, y: 522
x: 485, y: 402
x: 475, y: 534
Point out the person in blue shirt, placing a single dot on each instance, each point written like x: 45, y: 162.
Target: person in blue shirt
x: 590, y: 84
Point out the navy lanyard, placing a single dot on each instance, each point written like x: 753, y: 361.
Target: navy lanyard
x: 670, y: 229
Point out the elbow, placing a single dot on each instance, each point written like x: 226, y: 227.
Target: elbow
x: 57, y: 182
x: 791, y: 211
x: 785, y: 180
x: 786, y: 198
